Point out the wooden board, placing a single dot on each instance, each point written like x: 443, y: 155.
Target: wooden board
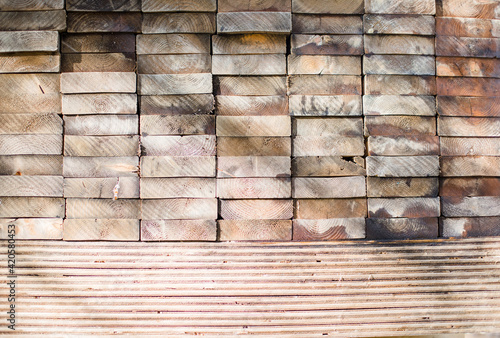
x: 38, y: 207
x: 470, y: 186
x: 399, y: 64
x: 33, y: 228
x: 168, y: 84
x: 468, y: 27
x: 324, y: 85
x: 31, y: 165
x: 254, y: 22
x: 179, y: 6
x: 399, y: 24
x: 101, y: 229
x: 399, y: 85
x: 331, y: 187
x: 177, y: 104
x: 328, y: 146
x: 468, y: 67
x: 403, y: 145
x: 174, y: 64
x: 154, y: 23
x: 468, y: 126
x: 108, y: 6
x: 12, y: 85
x: 31, y: 144
x: 254, y: 6
x: 177, y: 124
x: 101, y: 125
x: 255, y: 230
x: 173, y: 44
x: 470, y: 166
x: 179, y: 208
x: 399, y: 44
x: 252, y: 209
x: 178, y: 230
x: 98, y: 62
x: 418, y: 105
x: 327, y: 24
x: 330, y: 7
x: 456, y: 206
x: 251, y: 105
x: 402, y: 187
x: 468, y: 106
x: 321, y: 126
x: 31, y: 5
x: 461, y: 146
x: 253, y: 166
x: 254, y: 126
x: 109, y: 146
x: 328, y: 229
x: 302, y: 44
x: 328, y: 166
x: 325, y: 105
x: 98, y: 82
x: 408, y: 207
x: 254, y: 146
x: 324, y: 64
x: 92, y: 208
x: 128, y: 187
x: 249, y: 44
x: 467, y: 47
x: 98, y: 43
x: 399, y: 125
x: 177, y: 166
x: 30, y: 63
x: 29, y: 41
x: 470, y: 227
x: 100, y: 166
x: 401, y: 228
x: 473, y: 9
x: 260, y: 187
x: 91, y: 104
x: 153, y: 187
x: 11, y: 124
x: 31, y: 186
x: 402, y: 166
x: 191, y: 145
x: 15, y: 103
x: 54, y: 20
x: 452, y: 86
x: 400, y: 7
x: 250, y: 85
x: 330, y: 208
x: 264, y: 64
x: 89, y: 22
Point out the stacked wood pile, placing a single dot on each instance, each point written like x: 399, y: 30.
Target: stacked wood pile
x: 249, y: 120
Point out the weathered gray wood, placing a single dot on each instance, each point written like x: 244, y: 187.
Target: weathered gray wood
x: 399, y: 44
x: 402, y: 187
x: 328, y: 229
x: 328, y: 166
x: 98, y: 82
x: 87, y: 187
x: 54, y: 20
x: 256, y: 209
x: 98, y: 43
x: 324, y: 85
x: 249, y: 44
x: 472, y: 9
x: 100, y: 6
x: 264, y: 64
x: 31, y: 5
x: 254, y: 146
x: 254, y: 187
x: 470, y: 67
x: 152, y: 187
x: 253, y: 166
x: 255, y: 230
x: 407, y: 145
x: 327, y: 24
x: 32, y: 207
x: 174, y: 64
x: 410, y: 207
x: 324, y: 64
x: 177, y: 124
x: 92, y: 208
x: 168, y: 84
x: 254, y: 22
x: 178, y: 230
x: 92, y: 22
x: 31, y: 144
x: 421, y: 105
x: 17, y: 103
x: 29, y: 41
x: 154, y: 23
x: 98, y: 62
x: 179, y: 208
x: 399, y: 24
x: 399, y: 64
x: 399, y: 125
x: 250, y: 85
x: 328, y: 146
x: 33, y: 228
x: 12, y: 85
x: 11, y: 124
x: 331, y: 187
x: 86, y: 104
x: 402, y: 166
x: 191, y: 145
x: 468, y: 126
x: 179, y: 6
x: 34, y: 186
x: 100, y: 166
x: 178, y: 166
x: 302, y: 44
x: 251, y: 105
x: 254, y: 6
x: 330, y: 208
x: 325, y: 105
x: 177, y: 104
x: 173, y: 44
x: 399, y: 85
x: 462, y: 146
x: 470, y: 186
x: 470, y: 226
x: 77, y: 145
x: 470, y: 166
x: 101, y: 125
x: 454, y: 206
x: 253, y: 126
x: 322, y: 126
x: 400, y: 7
x: 30, y: 63
x: 468, y: 27
x: 31, y: 165
x: 328, y: 7
x: 101, y: 229
x: 467, y: 47
x: 402, y: 228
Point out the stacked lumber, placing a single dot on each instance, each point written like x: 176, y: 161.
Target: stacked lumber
x: 177, y: 125
x: 253, y: 126
x: 468, y: 82
x: 399, y: 108
x: 31, y: 182
x: 325, y: 102
x: 99, y: 105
